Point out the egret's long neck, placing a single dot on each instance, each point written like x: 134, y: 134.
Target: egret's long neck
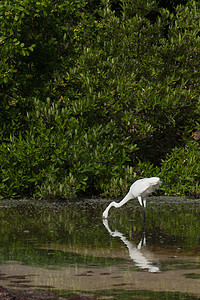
x: 128, y: 197
x: 117, y: 204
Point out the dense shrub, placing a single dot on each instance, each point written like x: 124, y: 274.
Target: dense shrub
x: 182, y: 168
x: 94, y: 98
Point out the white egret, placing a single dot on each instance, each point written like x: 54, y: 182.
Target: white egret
x: 139, y: 189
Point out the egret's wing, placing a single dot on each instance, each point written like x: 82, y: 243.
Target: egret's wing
x: 139, y: 186
x: 145, y: 186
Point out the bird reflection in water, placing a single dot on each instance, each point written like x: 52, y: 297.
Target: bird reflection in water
x: 141, y: 259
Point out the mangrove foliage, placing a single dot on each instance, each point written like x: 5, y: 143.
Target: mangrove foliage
x: 96, y: 94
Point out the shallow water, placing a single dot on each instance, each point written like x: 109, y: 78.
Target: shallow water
x: 68, y: 247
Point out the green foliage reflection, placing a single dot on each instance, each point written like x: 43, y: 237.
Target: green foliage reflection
x: 52, y: 233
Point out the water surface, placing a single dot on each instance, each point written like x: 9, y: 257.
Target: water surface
x: 68, y: 247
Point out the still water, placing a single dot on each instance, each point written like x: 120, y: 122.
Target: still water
x: 67, y: 247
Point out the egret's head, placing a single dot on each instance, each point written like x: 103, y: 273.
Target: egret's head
x: 154, y: 269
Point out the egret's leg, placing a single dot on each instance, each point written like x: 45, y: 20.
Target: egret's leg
x: 140, y: 201
x: 144, y: 215
x: 144, y: 209
x: 139, y: 246
x: 144, y: 241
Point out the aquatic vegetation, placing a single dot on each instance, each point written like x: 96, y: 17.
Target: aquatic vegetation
x: 131, y: 294
x: 192, y: 275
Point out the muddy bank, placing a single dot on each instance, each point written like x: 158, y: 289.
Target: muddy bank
x: 9, y: 294
x: 93, y: 279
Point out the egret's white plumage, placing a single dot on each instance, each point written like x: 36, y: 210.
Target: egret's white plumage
x: 139, y: 189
